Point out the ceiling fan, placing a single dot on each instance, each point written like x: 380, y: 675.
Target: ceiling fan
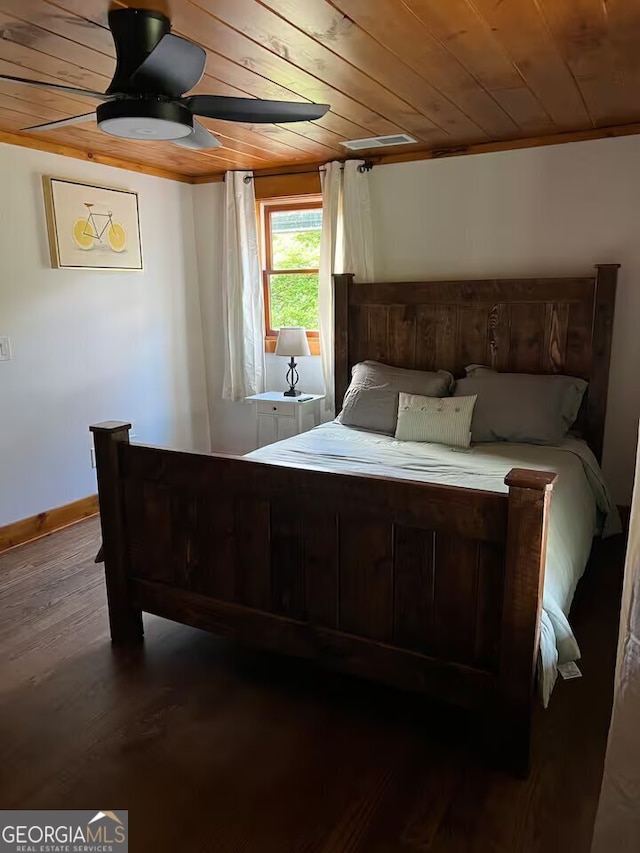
x: 154, y: 70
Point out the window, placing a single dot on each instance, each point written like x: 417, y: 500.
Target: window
x: 290, y: 260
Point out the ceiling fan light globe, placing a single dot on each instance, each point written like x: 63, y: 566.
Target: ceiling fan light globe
x: 142, y: 119
x: 144, y: 128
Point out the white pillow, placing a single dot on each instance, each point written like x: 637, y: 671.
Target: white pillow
x: 441, y: 420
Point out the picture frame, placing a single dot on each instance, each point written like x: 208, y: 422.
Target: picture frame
x: 92, y: 227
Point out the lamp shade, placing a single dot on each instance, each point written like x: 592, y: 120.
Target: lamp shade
x: 292, y: 340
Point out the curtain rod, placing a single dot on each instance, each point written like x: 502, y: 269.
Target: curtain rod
x: 367, y: 166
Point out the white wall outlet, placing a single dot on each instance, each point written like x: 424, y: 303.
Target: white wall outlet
x: 93, y: 457
x: 5, y: 348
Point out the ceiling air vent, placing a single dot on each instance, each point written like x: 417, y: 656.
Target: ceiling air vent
x: 379, y: 141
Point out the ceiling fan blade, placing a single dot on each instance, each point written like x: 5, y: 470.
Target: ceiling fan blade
x: 199, y: 140
x: 52, y: 125
x: 252, y: 109
x: 173, y: 67
x: 85, y: 93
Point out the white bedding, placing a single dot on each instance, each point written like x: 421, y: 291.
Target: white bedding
x: 580, y: 502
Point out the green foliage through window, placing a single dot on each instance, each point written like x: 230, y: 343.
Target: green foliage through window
x: 294, y: 300
x: 295, y: 245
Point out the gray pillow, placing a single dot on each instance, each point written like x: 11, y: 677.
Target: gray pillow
x: 521, y: 406
x: 371, y: 401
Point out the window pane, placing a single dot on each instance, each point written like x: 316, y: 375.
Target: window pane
x: 295, y: 238
x: 294, y: 300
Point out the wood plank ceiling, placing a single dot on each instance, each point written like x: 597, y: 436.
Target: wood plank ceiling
x: 451, y: 73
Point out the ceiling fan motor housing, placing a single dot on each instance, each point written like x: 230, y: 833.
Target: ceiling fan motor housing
x: 136, y: 32
x: 145, y: 118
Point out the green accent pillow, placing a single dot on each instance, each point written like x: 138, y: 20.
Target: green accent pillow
x: 441, y: 420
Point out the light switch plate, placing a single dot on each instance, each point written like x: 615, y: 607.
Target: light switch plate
x: 5, y: 348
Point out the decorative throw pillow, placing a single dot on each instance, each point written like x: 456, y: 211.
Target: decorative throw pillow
x: 371, y: 401
x: 441, y: 420
x: 522, y: 407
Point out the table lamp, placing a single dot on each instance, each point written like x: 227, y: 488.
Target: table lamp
x: 292, y: 341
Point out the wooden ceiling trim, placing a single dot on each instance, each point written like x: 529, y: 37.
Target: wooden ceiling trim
x: 374, y: 30
x: 23, y: 140
x: 398, y: 156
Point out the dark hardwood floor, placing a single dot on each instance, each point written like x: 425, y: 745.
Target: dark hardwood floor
x: 212, y: 747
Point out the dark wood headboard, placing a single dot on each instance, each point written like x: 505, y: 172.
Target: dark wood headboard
x: 529, y: 325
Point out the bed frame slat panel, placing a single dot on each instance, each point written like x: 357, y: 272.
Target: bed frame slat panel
x: 215, y: 542
x: 321, y: 567
x: 528, y: 332
x: 366, y: 576
x: 471, y: 335
x: 402, y: 334
x: 253, y: 554
x: 378, y: 338
x: 455, y: 593
x: 555, y: 340
x: 413, y: 578
x: 359, y: 333
x: 287, y: 560
x: 499, y: 336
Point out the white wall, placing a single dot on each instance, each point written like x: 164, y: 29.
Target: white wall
x: 92, y: 346
x: 541, y: 211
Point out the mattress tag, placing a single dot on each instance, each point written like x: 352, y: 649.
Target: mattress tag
x: 569, y: 670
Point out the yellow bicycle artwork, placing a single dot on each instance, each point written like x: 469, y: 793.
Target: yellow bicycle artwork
x: 90, y: 229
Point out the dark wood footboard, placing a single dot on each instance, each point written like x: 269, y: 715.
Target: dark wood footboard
x: 430, y: 588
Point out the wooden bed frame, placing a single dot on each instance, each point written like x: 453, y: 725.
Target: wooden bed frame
x: 427, y: 587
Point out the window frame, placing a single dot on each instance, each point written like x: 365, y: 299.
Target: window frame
x: 266, y: 208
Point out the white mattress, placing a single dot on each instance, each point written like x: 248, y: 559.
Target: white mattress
x: 580, y: 502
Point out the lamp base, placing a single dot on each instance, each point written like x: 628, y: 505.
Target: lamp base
x: 292, y: 379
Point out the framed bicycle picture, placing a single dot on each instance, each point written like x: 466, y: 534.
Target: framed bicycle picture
x: 92, y: 227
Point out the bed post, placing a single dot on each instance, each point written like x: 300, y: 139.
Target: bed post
x: 341, y: 285
x: 529, y: 495
x: 125, y: 621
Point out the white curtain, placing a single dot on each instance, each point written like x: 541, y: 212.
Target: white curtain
x: 618, y: 820
x: 242, y: 295
x: 346, y: 245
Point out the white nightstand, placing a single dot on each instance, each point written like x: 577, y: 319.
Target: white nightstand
x: 281, y: 417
